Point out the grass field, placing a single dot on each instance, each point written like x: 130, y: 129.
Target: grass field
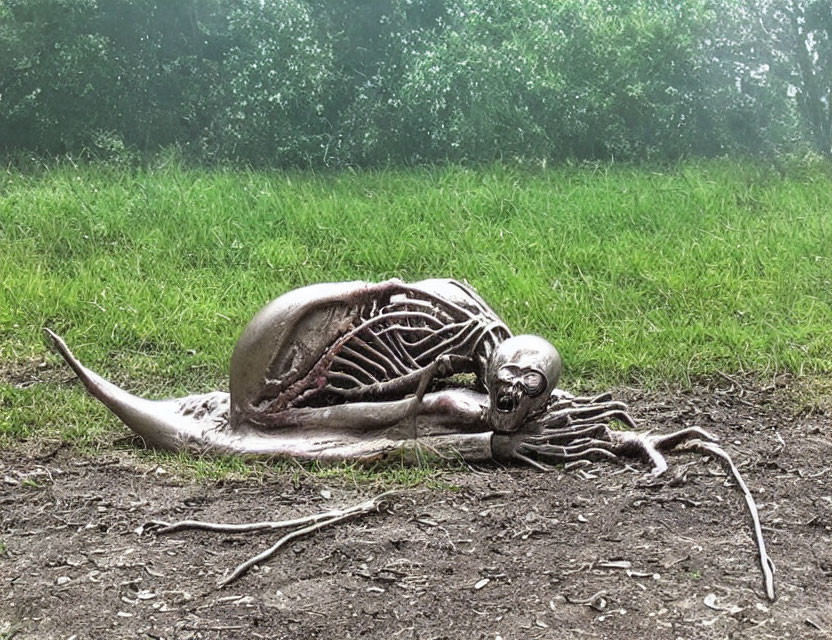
x: 637, y: 275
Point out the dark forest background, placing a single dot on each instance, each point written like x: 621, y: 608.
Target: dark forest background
x: 361, y: 83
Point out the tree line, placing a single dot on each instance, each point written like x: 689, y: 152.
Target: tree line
x: 367, y: 82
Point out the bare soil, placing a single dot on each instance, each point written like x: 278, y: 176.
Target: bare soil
x: 500, y: 553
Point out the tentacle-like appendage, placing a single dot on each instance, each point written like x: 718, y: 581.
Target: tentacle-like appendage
x: 585, y: 413
x: 570, y: 435
x: 617, y: 413
x: 603, y: 397
x: 554, y: 454
x: 529, y: 461
x: 638, y: 445
x: 766, y: 563
x: 576, y: 446
x: 669, y: 441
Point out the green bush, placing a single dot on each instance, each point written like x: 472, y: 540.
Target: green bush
x: 276, y: 74
x: 340, y: 82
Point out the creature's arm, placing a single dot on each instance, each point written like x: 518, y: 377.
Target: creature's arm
x: 449, y: 423
x: 448, y: 411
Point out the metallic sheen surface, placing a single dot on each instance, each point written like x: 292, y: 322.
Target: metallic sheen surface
x: 361, y: 370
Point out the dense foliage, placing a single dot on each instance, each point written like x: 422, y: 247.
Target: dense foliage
x: 361, y: 82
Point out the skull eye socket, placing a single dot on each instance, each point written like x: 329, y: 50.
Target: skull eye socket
x: 534, y: 383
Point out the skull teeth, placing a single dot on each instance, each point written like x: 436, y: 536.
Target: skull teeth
x: 506, y: 403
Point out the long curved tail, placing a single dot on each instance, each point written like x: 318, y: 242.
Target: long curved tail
x: 193, y: 423
x: 200, y: 424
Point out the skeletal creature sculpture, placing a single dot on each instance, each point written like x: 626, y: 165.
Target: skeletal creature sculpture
x: 359, y: 371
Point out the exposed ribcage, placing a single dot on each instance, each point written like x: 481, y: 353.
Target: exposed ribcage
x: 391, y: 345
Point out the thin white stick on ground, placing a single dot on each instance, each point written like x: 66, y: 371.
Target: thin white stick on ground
x: 166, y: 527
x: 313, y: 523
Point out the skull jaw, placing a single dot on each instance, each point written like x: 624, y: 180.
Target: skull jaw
x: 507, y: 410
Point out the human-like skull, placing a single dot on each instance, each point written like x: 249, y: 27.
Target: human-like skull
x: 521, y: 374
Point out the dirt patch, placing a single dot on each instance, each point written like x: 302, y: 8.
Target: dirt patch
x: 500, y: 553
x: 26, y: 373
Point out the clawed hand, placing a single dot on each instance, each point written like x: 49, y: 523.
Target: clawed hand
x: 579, y: 429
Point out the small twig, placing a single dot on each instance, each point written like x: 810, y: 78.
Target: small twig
x: 780, y: 441
x: 672, y: 563
x: 313, y: 523
x: 733, y: 382
x: 662, y: 500
x: 494, y: 494
x: 346, y: 514
x: 166, y: 527
x: 583, y: 567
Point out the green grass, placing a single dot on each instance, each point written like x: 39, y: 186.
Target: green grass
x: 385, y: 475
x: 638, y: 275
